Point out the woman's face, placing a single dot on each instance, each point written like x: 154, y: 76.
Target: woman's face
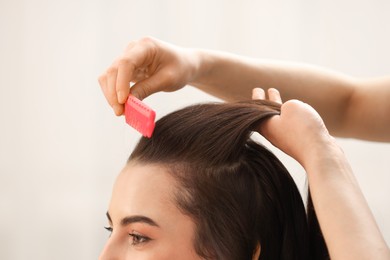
x: 145, y: 222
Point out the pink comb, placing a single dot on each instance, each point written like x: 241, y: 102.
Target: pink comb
x: 139, y: 116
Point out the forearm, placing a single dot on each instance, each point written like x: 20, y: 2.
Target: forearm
x: 232, y: 77
x: 368, y: 113
x: 346, y: 221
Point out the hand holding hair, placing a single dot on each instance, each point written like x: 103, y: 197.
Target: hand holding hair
x: 348, y: 226
x: 298, y: 131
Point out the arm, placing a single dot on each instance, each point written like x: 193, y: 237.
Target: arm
x: 348, y: 226
x: 350, y: 107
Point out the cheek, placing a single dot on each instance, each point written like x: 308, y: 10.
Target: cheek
x: 162, y: 252
x: 174, y: 243
x: 181, y: 245
x: 177, y: 250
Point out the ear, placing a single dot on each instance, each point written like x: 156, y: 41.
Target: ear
x: 256, y: 255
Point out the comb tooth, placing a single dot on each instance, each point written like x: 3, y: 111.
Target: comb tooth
x: 140, y: 116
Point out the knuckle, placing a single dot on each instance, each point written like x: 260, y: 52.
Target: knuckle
x: 149, y: 42
x: 111, y: 70
x: 102, y: 79
x: 122, y: 61
x: 147, y: 39
x: 292, y: 104
x: 130, y: 44
x: 169, y: 77
x: 125, y: 62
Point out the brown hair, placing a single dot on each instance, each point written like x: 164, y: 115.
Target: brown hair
x: 235, y: 190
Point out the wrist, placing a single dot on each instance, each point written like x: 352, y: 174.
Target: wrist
x: 201, y: 66
x: 323, y: 155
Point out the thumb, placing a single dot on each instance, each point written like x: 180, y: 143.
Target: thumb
x: 146, y: 87
x: 269, y: 128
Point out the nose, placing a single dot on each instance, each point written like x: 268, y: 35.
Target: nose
x: 111, y: 251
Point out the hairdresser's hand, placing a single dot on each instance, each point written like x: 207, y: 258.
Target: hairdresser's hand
x: 298, y: 131
x: 152, y: 65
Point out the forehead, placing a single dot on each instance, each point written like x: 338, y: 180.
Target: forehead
x: 143, y: 190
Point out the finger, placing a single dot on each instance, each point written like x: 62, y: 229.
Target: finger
x: 258, y: 93
x: 127, y: 66
x: 268, y: 127
x: 111, y: 90
x: 103, y: 85
x: 148, y: 86
x: 274, y: 95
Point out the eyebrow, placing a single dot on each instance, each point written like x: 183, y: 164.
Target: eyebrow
x: 135, y: 219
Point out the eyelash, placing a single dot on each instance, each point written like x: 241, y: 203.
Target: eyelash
x: 137, y: 238
x: 109, y: 229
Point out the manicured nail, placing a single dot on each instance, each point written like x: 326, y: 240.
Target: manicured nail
x: 121, y: 96
x: 117, y: 109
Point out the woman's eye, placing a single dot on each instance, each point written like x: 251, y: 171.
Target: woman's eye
x: 138, y: 239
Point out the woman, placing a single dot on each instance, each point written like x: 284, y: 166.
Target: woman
x: 203, y: 190
x: 200, y: 188
x: 350, y: 107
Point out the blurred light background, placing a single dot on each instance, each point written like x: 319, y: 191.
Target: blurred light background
x: 61, y: 147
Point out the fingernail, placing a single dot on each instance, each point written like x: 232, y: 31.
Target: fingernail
x: 121, y: 96
x: 117, y: 109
